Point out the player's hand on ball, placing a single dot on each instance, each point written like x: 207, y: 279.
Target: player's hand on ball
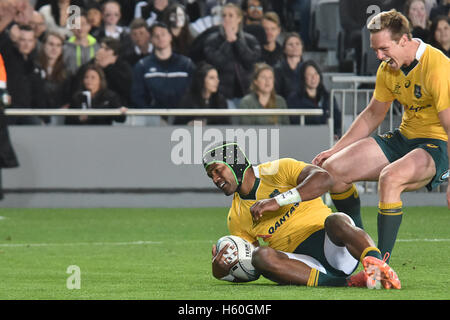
x: 222, y: 263
x: 262, y: 206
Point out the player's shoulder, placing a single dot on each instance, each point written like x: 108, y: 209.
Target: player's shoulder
x: 436, y: 60
x: 280, y: 165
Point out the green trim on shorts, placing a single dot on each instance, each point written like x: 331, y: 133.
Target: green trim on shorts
x: 395, y: 145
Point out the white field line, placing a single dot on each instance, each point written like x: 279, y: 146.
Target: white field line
x: 78, y: 244
x: 71, y: 244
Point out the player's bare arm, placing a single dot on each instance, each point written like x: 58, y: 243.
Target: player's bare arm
x: 312, y: 182
x: 366, y: 122
x: 444, y: 117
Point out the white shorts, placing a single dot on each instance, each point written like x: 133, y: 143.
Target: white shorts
x: 338, y: 257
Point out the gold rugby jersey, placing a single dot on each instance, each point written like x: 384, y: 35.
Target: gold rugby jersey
x: 286, y: 228
x: 423, y: 89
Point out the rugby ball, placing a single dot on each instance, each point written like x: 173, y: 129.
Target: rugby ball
x: 243, y: 269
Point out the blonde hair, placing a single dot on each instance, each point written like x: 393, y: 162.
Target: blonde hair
x: 272, y: 17
x: 235, y: 7
x: 393, y: 21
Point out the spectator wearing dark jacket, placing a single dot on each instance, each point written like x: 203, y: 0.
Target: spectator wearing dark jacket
x: 204, y: 93
x: 24, y: 82
x: 55, y: 77
x: 162, y: 78
x: 313, y: 94
x: 118, y: 72
x: 111, y: 13
x: 287, y: 70
x: 142, y: 46
x: 96, y: 95
x: 233, y: 52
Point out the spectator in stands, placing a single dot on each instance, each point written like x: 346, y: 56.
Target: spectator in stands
x: 233, y: 52
x: 287, y: 70
x: 178, y: 21
x: 162, y: 78
x: 440, y: 34
x: 272, y: 52
x: 39, y: 26
x: 142, y: 46
x: 204, y: 93
x: 416, y: 12
x: 24, y: 83
x: 253, y: 11
x: 128, y: 10
x: 56, y: 79
x: 151, y: 10
x: 81, y: 47
x: 94, y: 17
x: 118, y: 73
x: 56, y: 14
x: 313, y: 94
x: 262, y: 96
x: 95, y: 94
x: 111, y: 14
x: 442, y: 9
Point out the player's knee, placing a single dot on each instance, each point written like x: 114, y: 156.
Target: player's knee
x: 389, y: 179
x: 336, y: 226
x: 335, y: 170
x: 262, y: 258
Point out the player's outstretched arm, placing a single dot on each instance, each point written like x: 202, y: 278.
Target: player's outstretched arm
x: 366, y: 122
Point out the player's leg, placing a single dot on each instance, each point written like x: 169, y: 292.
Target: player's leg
x: 292, y: 269
x: 361, y: 161
x: 343, y: 239
x: 342, y: 232
x: 411, y: 172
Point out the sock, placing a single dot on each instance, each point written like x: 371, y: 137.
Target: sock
x: 317, y: 278
x: 372, y: 252
x: 389, y: 220
x: 349, y: 203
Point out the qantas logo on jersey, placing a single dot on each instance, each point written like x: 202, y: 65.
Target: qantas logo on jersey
x: 283, y: 219
x: 419, y: 108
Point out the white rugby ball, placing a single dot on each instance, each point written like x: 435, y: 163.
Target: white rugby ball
x: 243, y: 270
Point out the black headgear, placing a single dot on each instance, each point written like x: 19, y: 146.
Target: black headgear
x: 231, y: 155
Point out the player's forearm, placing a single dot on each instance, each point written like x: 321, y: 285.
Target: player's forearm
x: 366, y: 123
x: 315, y: 185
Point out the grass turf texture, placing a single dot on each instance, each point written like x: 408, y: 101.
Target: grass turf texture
x: 166, y: 254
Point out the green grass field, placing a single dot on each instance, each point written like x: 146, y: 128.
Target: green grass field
x: 166, y: 254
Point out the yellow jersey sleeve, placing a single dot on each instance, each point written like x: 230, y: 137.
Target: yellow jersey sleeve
x: 283, y: 171
x: 439, y: 83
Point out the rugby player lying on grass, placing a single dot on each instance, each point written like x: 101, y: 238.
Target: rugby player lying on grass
x: 280, y: 202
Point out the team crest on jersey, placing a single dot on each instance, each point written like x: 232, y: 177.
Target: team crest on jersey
x: 417, y: 91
